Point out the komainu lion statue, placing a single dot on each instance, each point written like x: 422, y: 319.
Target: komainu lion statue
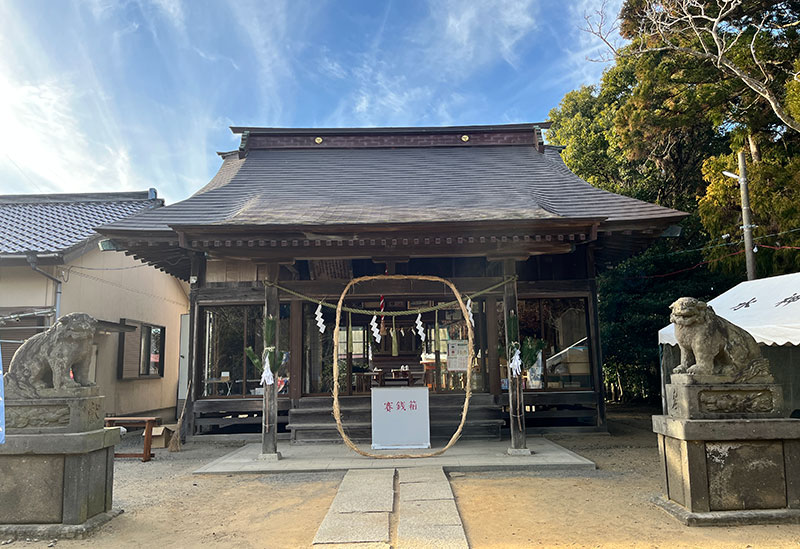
x: 42, y: 365
x: 710, y: 345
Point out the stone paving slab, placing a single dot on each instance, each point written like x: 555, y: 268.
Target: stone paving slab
x: 421, y: 474
x: 425, y: 491
x: 353, y: 528
x: 365, y: 491
x: 367, y: 545
x: 440, y: 511
x: 466, y: 455
x: 434, y: 536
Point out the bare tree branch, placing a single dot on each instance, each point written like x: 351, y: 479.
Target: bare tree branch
x: 665, y: 25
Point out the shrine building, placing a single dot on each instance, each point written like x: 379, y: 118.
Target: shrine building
x: 490, y: 208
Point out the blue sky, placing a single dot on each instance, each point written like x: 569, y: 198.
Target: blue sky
x: 105, y: 95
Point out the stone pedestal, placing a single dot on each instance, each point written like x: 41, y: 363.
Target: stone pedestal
x: 718, y: 397
x: 56, y: 467
x: 727, y: 456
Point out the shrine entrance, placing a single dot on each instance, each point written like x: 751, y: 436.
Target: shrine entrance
x: 401, y: 357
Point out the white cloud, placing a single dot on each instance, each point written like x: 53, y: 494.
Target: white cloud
x: 43, y: 139
x: 470, y: 35
x: 265, y: 26
x: 213, y: 58
x: 584, y: 51
x: 415, y: 80
x: 172, y: 10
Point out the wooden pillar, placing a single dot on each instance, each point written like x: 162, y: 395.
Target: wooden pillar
x: 196, y: 280
x: 594, y: 338
x: 491, y: 346
x: 437, y: 355
x: 272, y: 311
x: 480, y: 341
x: 516, y: 403
x: 296, y: 352
x: 349, y: 353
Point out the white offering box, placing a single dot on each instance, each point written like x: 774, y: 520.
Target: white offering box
x: 400, y: 418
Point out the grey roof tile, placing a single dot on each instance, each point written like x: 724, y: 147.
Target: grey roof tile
x: 401, y: 185
x: 56, y: 223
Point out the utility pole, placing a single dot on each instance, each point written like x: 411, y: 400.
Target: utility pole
x: 747, y: 223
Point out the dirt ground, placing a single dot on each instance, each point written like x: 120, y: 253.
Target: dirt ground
x: 607, y: 508
x: 168, y: 507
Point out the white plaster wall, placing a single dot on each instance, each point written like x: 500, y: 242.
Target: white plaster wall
x: 110, y: 286
x: 21, y: 287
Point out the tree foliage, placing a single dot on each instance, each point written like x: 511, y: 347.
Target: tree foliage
x: 775, y: 204
x: 751, y: 43
x: 633, y: 304
x: 661, y: 126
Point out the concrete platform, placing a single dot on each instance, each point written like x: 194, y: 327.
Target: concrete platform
x: 466, y: 455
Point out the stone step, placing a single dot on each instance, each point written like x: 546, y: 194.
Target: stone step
x: 436, y: 399
x: 362, y: 431
x: 314, y: 415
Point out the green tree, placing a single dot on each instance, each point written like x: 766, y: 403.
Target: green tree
x: 775, y: 204
x: 751, y: 44
x: 638, y: 133
x: 633, y: 304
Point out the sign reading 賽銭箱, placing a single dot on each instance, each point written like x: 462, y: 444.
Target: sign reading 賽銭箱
x: 400, y: 418
x: 2, y: 404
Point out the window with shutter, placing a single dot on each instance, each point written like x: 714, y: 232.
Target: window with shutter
x: 15, y: 331
x: 130, y: 351
x: 141, y: 352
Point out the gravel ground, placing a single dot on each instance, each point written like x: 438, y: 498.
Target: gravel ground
x: 166, y: 506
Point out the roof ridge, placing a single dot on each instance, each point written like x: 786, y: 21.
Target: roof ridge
x: 390, y: 129
x: 61, y: 198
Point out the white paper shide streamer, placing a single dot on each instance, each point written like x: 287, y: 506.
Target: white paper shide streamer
x: 420, y: 327
x: 266, y: 377
x: 516, y: 364
x: 320, y: 320
x: 469, y: 311
x: 376, y: 331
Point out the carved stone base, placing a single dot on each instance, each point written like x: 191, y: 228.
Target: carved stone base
x: 56, y: 478
x: 60, y: 531
x: 55, y: 415
x: 712, y: 466
x: 728, y: 518
x: 723, y: 400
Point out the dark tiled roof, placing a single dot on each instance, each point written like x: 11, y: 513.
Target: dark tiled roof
x: 56, y: 223
x: 386, y: 185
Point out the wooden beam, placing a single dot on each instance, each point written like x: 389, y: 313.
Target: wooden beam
x: 326, y: 249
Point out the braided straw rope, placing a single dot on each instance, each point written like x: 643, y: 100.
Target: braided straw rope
x: 337, y: 413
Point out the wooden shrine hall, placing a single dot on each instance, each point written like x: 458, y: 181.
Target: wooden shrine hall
x: 304, y: 211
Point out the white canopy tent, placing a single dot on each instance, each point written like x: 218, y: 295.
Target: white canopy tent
x: 768, y: 308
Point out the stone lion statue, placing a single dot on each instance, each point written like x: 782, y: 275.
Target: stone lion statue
x: 710, y: 345
x: 46, y: 360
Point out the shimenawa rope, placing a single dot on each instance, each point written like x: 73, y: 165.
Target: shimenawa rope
x: 337, y: 413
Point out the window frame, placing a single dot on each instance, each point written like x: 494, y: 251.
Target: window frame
x: 146, y: 335
x: 126, y: 359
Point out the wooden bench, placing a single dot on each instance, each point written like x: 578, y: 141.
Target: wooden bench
x: 146, y: 422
